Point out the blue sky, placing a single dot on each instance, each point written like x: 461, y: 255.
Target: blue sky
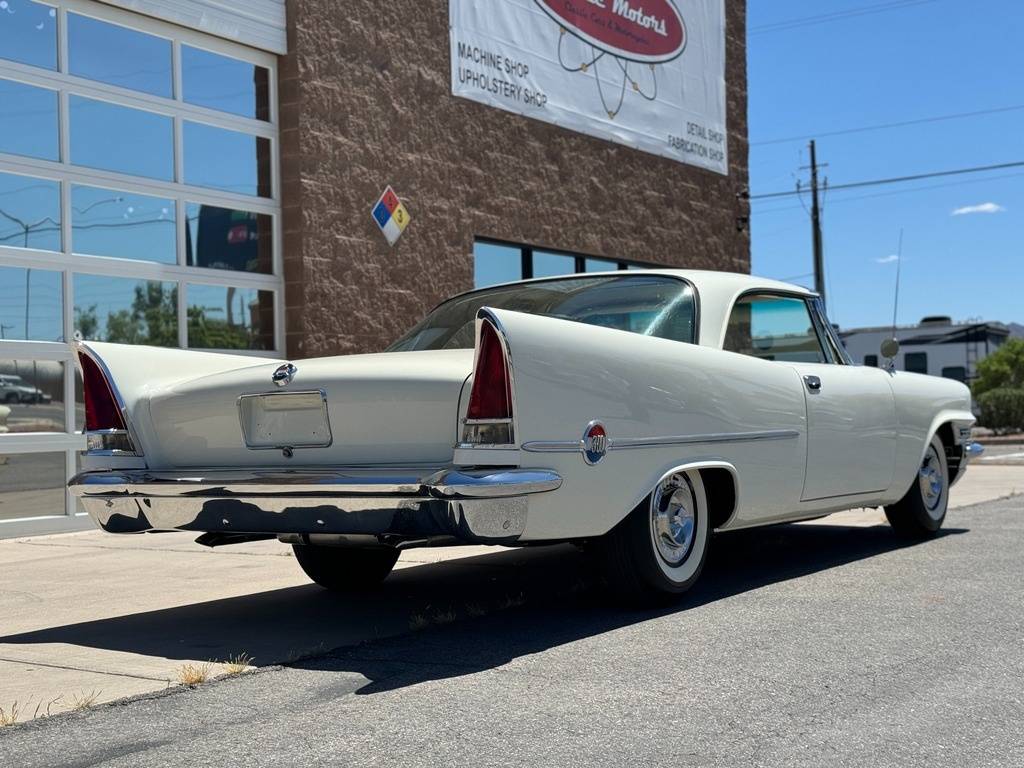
x: 914, y: 59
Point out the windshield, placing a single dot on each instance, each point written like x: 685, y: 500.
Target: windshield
x: 651, y: 305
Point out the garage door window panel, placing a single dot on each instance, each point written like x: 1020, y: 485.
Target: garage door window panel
x: 229, y: 160
x: 29, y: 212
x: 33, y: 391
x: 28, y: 121
x: 28, y: 34
x: 224, y: 83
x: 224, y: 317
x: 32, y: 295
x: 126, y: 311
x: 125, y: 225
x: 112, y: 137
x: 227, y: 238
x: 116, y: 55
x: 32, y: 484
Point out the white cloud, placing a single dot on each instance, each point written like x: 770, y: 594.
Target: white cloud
x: 981, y: 208
x: 888, y: 259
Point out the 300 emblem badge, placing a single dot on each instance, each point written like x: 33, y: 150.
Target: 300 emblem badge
x: 595, y: 442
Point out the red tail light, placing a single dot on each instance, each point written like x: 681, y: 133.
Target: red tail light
x: 491, y: 397
x: 101, y: 409
x: 489, y: 414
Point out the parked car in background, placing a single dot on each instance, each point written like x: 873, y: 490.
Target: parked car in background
x: 633, y: 413
x: 13, y: 389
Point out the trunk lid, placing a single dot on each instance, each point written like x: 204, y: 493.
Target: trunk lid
x: 399, y: 408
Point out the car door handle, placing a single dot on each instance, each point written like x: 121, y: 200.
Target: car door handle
x: 813, y: 383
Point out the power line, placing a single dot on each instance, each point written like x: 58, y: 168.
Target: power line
x: 805, y: 21
x: 884, y: 126
x: 895, y: 179
x: 895, y: 193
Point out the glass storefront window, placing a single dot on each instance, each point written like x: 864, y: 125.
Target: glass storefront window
x: 121, y: 139
x: 220, y: 82
x: 222, y: 238
x: 119, y: 132
x: 599, y: 265
x: 222, y: 317
x: 33, y: 296
x: 552, y: 264
x: 495, y: 264
x: 31, y: 484
x: 119, y: 56
x: 229, y: 160
x: 28, y: 33
x: 28, y: 121
x: 29, y: 212
x: 32, y: 391
x: 107, y: 222
x: 126, y: 311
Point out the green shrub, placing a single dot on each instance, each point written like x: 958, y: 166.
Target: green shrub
x: 1002, y: 409
x: 1004, y: 368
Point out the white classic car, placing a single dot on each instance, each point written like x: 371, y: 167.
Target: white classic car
x: 630, y: 412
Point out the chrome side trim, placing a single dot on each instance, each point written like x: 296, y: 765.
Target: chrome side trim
x: 553, y: 446
x: 623, y: 443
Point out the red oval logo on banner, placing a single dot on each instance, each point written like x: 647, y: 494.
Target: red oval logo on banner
x: 648, y: 31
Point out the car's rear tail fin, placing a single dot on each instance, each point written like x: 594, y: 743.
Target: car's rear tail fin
x: 106, y: 428
x: 489, y: 415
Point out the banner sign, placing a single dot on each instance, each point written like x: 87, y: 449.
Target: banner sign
x: 649, y: 74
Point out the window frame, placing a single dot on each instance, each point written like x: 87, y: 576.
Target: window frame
x: 827, y: 350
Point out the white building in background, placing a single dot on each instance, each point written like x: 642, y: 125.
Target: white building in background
x: 936, y: 346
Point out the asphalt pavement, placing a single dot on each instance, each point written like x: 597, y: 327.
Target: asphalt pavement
x: 802, y: 645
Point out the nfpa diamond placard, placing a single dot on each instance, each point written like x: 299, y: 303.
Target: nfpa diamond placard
x: 391, y: 216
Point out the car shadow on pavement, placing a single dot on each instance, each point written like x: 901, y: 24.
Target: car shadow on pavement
x: 461, y: 603
x: 742, y: 561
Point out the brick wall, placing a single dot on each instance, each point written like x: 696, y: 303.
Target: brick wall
x: 365, y: 102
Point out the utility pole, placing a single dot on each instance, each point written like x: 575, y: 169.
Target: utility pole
x: 819, y: 256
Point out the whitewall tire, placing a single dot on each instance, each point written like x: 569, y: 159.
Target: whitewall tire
x: 922, y: 510
x: 659, y: 550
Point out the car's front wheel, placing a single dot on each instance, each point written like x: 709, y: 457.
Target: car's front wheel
x: 659, y: 550
x: 343, y: 569
x: 923, y: 508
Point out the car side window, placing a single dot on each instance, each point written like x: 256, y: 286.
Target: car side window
x: 776, y: 328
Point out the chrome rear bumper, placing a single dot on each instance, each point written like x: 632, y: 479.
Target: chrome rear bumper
x: 477, y: 505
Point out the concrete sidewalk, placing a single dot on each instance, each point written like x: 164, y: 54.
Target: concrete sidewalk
x: 89, y: 617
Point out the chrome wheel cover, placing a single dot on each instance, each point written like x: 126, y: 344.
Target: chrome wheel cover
x: 932, y: 482
x: 674, y: 519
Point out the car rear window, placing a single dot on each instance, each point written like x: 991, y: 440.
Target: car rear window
x: 650, y: 305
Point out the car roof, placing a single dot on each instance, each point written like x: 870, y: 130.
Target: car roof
x: 705, y: 280
x: 716, y: 292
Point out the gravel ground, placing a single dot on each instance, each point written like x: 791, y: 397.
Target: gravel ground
x: 803, y: 645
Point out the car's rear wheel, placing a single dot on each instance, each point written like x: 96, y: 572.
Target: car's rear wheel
x: 659, y: 550
x: 923, y: 508
x: 343, y: 569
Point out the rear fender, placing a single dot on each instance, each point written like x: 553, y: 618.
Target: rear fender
x: 136, y: 372
x: 662, y: 403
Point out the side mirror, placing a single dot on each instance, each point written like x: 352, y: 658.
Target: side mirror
x: 890, y: 348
